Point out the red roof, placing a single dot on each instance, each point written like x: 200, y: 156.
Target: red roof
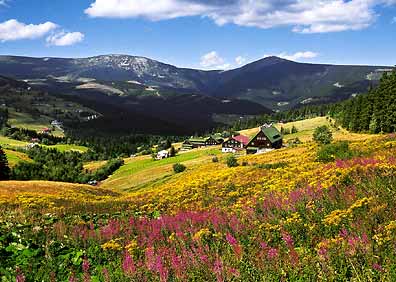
x: 243, y: 139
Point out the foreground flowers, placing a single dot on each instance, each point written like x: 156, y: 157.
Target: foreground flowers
x: 305, y: 220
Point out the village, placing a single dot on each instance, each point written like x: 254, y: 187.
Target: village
x: 267, y: 139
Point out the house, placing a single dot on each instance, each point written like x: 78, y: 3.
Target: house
x: 234, y: 144
x: 193, y: 143
x: 162, y: 155
x: 219, y: 139
x: 56, y: 123
x: 268, y: 138
x: 31, y: 145
x: 46, y: 130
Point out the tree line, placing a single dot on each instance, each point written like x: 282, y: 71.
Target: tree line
x: 53, y: 165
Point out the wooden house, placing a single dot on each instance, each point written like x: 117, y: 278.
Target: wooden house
x: 234, y: 144
x: 267, y: 138
x: 193, y: 143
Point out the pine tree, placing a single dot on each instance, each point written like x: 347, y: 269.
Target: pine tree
x: 4, y: 168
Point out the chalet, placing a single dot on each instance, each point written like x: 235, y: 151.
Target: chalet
x: 268, y: 138
x: 193, y: 143
x: 162, y: 155
x: 46, y: 130
x: 234, y: 144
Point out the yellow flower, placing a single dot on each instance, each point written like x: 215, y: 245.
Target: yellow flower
x: 201, y: 233
x: 112, y: 245
x: 133, y: 245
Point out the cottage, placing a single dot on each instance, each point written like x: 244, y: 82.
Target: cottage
x: 234, y: 144
x: 268, y: 138
x: 162, y: 155
x: 46, y: 130
x: 193, y: 143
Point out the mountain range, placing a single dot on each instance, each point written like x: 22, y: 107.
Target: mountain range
x: 189, y: 98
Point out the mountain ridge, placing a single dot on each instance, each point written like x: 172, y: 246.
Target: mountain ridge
x: 273, y: 82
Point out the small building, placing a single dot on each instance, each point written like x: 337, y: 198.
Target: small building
x: 268, y: 138
x: 234, y: 144
x: 46, y: 130
x: 31, y: 145
x: 193, y: 143
x: 56, y: 123
x: 164, y: 154
x: 219, y: 139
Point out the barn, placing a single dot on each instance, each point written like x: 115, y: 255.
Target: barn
x: 266, y: 139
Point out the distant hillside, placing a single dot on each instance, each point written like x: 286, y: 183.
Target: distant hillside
x: 276, y: 83
x: 282, y: 84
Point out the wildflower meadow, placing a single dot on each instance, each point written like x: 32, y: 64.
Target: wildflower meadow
x: 283, y: 216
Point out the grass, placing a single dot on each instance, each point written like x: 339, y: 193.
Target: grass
x: 24, y: 120
x: 66, y: 148
x: 306, y: 129
x: 94, y: 165
x: 16, y: 157
x: 143, y: 170
x: 8, y: 142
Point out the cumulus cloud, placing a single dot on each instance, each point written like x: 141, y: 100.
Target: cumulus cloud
x: 296, y: 56
x: 154, y: 10
x: 13, y: 30
x: 65, y: 38
x: 240, y: 60
x: 212, y: 60
x: 304, y: 16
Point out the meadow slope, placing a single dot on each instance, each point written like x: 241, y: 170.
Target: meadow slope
x: 281, y: 216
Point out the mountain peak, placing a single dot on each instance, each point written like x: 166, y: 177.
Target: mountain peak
x: 274, y: 60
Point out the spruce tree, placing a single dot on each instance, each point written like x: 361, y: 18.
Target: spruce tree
x: 4, y: 168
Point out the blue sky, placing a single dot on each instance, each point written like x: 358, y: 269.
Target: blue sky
x: 205, y: 34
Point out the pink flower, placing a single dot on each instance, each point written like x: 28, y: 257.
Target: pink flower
x: 20, y: 278
x: 273, y: 253
x: 377, y: 267
x: 231, y: 240
x: 85, y: 265
x: 287, y: 238
x: 127, y: 265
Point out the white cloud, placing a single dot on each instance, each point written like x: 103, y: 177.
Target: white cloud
x: 240, y: 60
x: 65, y: 39
x: 394, y: 20
x: 296, y: 56
x: 3, y: 2
x: 304, y: 16
x: 154, y: 10
x: 13, y: 30
x: 212, y: 60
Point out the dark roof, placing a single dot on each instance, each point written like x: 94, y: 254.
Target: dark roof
x: 272, y: 134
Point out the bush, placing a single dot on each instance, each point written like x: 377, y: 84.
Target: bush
x: 331, y: 152
x: 179, y: 168
x: 294, y: 130
x: 323, y: 135
x: 232, y: 161
x: 272, y: 166
x: 215, y: 159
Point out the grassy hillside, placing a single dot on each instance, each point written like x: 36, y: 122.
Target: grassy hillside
x: 142, y: 170
x: 27, y: 121
x: 282, y: 216
x: 16, y: 157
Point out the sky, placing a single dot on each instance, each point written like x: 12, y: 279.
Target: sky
x: 203, y: 34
